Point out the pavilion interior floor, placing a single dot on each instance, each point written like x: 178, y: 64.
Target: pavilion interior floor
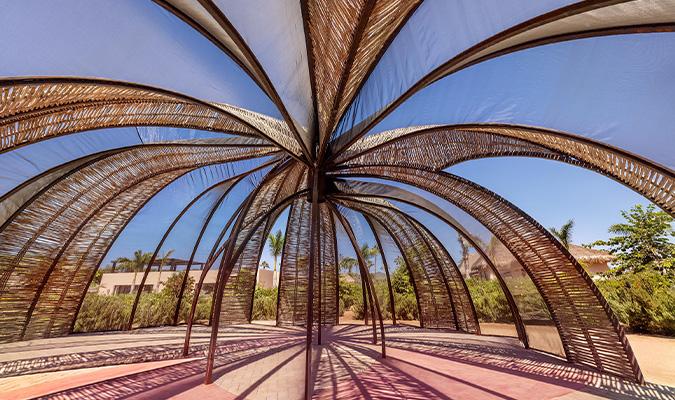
x: 259, y: 361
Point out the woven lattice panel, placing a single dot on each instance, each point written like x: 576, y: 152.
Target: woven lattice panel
x: 656, y: 184
x: 31, y: 241
x: 465, y: 314
x: 66, y: 286
x: 386, y: 17
x: 590, y: 333
x: 436, y: 306
x: 239, y: 288
x: 328, y: 264
x: 346, y: 37
x: 271, y: 128
x: 30, y: 112
x: 293, y: 275
x: 440, y: 147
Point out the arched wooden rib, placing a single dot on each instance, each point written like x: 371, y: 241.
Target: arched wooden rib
x: 35, y: 109
x: 406, y: 260
x: 198, y: 288
x: 436, y: 263
x: 438, y: 147
x: 225, y: 185
x: 345, y: 38
x: 380, y: 248
x: 56, y: 307
x: 584, y: 319
x: 20, y: 194
x: 364, y: 270
x: 564, y: 24
x: 230, y: 255
x: 426, y: 304
x: 36, y: 233
x: 200, y: 236
x: 241, y: 282
x: 79, y: 246
x: 239, y: 290
x: 219, y: 30
x: 358, y: 189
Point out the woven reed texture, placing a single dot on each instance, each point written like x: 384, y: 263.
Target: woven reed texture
x: 30, y: 112
x: 437, y: 262
x: 589, y: 331
x: 440, y: 147
x: 271, y: 128
x: 436, y: 305
x: 67, y: 284
x: 238, y: 291
x: 329, y: 268
x: 32, y: 241
x: 346, y: 37
x: 294, y: 272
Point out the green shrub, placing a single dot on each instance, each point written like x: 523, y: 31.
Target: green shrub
x: 265, y: 304
x: 406, y: 307
x: 489, y: 300
x: 643, y: 301
x: 104, y: 313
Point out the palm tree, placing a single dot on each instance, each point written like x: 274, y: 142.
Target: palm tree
x: 348, y: 264
x: 465, y: 254
x: 264, y: 265
x: 137, y: 263
x: 276, y: 246
x: 368, y: 253
x: 162, y: 260
x: 564, y: 234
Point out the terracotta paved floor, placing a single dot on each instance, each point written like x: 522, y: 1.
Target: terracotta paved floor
x: 262, y: 362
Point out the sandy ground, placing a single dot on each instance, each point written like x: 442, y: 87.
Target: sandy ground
x: 655, y: 354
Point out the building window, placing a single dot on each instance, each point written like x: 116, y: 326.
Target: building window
x: 122, y: 289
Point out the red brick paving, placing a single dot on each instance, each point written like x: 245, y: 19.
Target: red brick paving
x: 421, y: 364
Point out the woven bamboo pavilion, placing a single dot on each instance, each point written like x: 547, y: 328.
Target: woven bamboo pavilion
x: 328, y: 111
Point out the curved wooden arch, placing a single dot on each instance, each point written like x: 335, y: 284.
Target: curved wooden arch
x: 37, y: 233
x: 35, y: 109
x: 584, y: 319
x: 230, y: 182
x: 461, y: 306
x: 230, y: 41
x: 438, y: 147
x: 542, y: 30
x: 369, y: 190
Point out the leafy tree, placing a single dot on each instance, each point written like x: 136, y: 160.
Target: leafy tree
x: 175, y: 281
x: 276, y: 245
x: 162, y: 260
x: 400, y: 279
x: 643, y: 241
x: 264, y: 265
x: 564, y: 234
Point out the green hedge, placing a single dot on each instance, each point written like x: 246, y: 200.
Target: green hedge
x: 643, y: 301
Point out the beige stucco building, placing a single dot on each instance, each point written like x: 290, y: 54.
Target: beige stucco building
x: 125, y: 282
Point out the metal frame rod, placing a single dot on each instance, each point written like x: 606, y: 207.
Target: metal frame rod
x: 386, y: 267
x: 362, y: 264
